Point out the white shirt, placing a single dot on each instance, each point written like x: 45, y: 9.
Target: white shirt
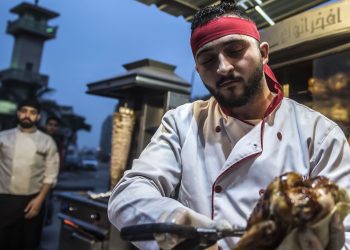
x: 220, y: 179
x: 27, y: 160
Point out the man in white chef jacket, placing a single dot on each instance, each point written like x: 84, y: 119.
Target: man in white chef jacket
x: 209, y: 160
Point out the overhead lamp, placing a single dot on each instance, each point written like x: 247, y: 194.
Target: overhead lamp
x: 264, y: 15
x: 247, y: 4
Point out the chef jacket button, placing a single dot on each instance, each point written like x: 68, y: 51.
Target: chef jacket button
x: 261, y: 192
x: 218, y: 189
x: 217, y: 129
x: 279, y: 136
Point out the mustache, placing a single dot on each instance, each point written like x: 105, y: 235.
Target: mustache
x: 26, y: 119
x: 224, y: 79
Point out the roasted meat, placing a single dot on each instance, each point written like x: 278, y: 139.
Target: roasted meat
x: 289, y: 202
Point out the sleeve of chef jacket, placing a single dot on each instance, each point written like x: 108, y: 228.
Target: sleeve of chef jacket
x: 331, y: 158
x: 142, y: 195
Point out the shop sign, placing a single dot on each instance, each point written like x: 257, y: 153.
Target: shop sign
x: 322, y: 22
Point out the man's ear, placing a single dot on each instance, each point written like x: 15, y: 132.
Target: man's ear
x: 264, y: 51
x: 38, y: 118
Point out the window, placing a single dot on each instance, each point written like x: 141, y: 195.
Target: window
x: 323, y: 84
x: 29, y: 66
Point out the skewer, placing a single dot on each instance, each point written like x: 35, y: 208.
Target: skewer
x: 146, y: 232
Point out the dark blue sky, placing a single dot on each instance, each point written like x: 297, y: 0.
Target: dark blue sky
x: 94, y: 39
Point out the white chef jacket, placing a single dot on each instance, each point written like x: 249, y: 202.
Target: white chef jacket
x: 27, y: 160
x: 190, y: 150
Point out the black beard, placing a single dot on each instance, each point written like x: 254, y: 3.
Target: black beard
x: 25, y: 123
x: 251, y: 88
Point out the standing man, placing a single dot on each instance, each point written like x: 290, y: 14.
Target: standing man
x: 28, y: 170
x: 52, y: 127
x: 209, y: 160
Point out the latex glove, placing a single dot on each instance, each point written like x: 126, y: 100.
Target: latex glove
x: 187, y: 217
x: 309, y: 241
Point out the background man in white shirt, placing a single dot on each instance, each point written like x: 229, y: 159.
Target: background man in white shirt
x: 28, y: 170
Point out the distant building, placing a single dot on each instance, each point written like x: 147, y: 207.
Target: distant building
x: 30, y: 31
x: 106, y: 139
x: 23, y: 79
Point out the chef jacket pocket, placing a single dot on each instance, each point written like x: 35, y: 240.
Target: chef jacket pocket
x: 41, y: 154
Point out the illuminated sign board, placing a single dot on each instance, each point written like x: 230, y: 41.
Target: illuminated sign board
x: 322, y: 22
x: 7, y: 107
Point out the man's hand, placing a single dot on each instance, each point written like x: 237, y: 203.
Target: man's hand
x: 309, y: 241
x: 33, y: 208
x: 188, y: 217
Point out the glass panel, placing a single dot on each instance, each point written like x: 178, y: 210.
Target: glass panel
x: 322, y: 84
x: 330, y: 88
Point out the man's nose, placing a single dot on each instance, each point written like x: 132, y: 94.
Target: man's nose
x: 225, y: 67
x: 27, y: 115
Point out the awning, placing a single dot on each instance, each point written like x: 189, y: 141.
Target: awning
x: 277, y: 10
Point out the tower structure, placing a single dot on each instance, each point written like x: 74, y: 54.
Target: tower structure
x: 30, y: 30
